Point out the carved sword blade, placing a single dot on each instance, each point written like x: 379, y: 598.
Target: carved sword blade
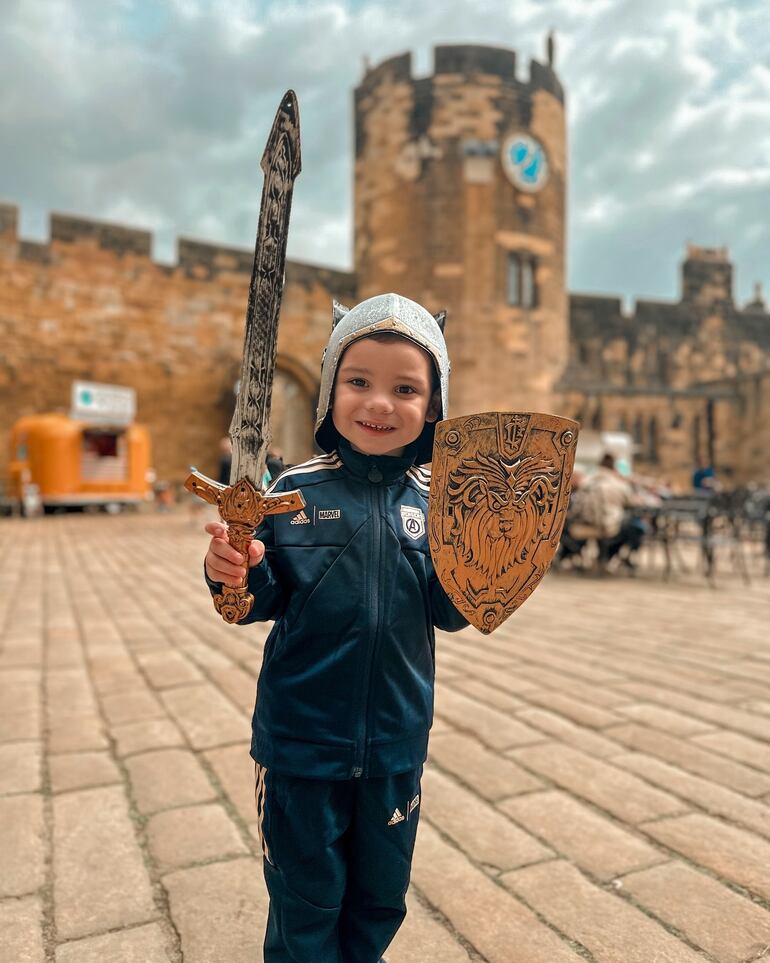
x: 250, y: 427
x: 241, y: 503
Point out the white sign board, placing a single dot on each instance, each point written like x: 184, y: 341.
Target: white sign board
x: 103, y: 404
x: 593, y: 444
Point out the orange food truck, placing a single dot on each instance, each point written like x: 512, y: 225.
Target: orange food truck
x: 96, y: 455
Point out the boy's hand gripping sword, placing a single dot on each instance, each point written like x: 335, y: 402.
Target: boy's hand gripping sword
x: 241, y: 503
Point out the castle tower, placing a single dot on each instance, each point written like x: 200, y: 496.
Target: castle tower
x: 460, y: 183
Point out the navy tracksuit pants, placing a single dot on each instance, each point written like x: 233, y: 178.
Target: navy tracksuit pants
x: 338, y: 854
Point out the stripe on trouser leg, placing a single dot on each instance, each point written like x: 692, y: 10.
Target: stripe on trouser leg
x: 260, y: 790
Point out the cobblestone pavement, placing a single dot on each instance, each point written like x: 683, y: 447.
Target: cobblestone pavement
x: 598, y: 786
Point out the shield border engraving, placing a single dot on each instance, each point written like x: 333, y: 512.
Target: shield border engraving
x: 484, y: 456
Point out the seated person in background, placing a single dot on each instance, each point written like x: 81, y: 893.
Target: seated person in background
x: 601, y: 505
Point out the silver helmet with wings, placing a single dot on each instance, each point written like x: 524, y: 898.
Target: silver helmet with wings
x: 382, y: 313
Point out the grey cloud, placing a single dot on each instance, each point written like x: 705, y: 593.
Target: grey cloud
x: 162, y: 122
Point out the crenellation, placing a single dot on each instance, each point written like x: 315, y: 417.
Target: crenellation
x: 9, y: 220
x: 37, y: 251
x: 543, y: 77
x: 394, y: 69
x: 111, y: 237
x: 341, y: 283
x: 471, y: 59
x: 207, y: 261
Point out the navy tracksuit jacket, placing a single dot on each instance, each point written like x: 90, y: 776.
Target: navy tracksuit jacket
x: 344, y: 701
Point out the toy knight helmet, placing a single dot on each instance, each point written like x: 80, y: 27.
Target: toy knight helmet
x: 382, y: 313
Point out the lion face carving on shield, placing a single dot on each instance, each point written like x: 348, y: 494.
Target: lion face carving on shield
x: 501, y: 509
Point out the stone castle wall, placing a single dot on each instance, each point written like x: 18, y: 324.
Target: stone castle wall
x: 685, y: 378
x: 91, y: 304
x: 436, y: 219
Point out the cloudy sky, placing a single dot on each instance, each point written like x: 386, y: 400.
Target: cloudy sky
x: 154, y: 113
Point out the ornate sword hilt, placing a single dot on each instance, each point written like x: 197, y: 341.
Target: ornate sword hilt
x: 242, y: 507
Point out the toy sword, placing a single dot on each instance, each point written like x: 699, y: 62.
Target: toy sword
x: 241, y: 504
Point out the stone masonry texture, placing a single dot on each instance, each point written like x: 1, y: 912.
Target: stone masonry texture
x: 595, y: 790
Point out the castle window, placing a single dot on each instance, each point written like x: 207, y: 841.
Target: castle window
x: 652, y: 440
x: 522, y: 289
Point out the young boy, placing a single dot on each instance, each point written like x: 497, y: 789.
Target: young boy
x: 345, y: 695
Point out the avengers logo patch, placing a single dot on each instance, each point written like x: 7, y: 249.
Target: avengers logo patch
x: 413, y: 521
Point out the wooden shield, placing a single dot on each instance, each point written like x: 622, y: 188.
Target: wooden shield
x: 499, y: 491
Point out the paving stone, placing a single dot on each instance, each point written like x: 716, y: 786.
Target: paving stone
x: 731, y: 853
x: 21, y: 845
x: 100, y: 881
x: 607, y: 926
x: 76, y: 733
x: 581, y: 712
x: 237, y: 685
x: 180, y: 837
x: 167, y: 668
x: 166, y: 778
x: 488, y: 694
x: 507, y: 681
x: 605, y: 785
x: 137, y: 737
x: 725, y: 716
x: 589, y: 839
x: 667, y: 720
x: 758, y: 705
x: 490, y: 775
x: 751, y: 813
x: 730, y: 927
x: 134, y: 706
x: 476, y: 827
x: 689, y: 756
x: 68, y: 692
x: 21, y: 690
x: 207, y: 718
x: 140, y: 944
x: 81, y: 770
x: 20, y: 767
x: 21, y: 929
x: 219, y: 910
x: 570, y: 732
x: 112, y: 670
x: 501, y: 928
x: 492, y: 727
x: 566, y: 682
x: 234, y: 768
x: 422, y: 939
x: 17, y: 726
x: 736, y: 746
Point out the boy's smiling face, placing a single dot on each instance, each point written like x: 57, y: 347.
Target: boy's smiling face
x: 383, y: 395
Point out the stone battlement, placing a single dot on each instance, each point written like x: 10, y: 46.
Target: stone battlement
x: 195, y: 259
x: 111, y: 237
x: 466, y: 60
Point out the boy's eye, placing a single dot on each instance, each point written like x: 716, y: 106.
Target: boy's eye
x: 357, y: 382
x: 405, y: 390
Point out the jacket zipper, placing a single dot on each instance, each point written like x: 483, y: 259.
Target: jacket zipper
x: 374, y: 626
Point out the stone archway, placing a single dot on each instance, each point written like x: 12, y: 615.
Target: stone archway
x: 293, y: 411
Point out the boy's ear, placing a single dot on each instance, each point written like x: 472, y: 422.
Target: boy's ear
x: 434, y: 407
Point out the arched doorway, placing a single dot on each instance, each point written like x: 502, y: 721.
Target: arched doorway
x: 292, y: 412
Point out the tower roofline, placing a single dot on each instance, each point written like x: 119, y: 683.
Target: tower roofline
x: 466, y: 60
